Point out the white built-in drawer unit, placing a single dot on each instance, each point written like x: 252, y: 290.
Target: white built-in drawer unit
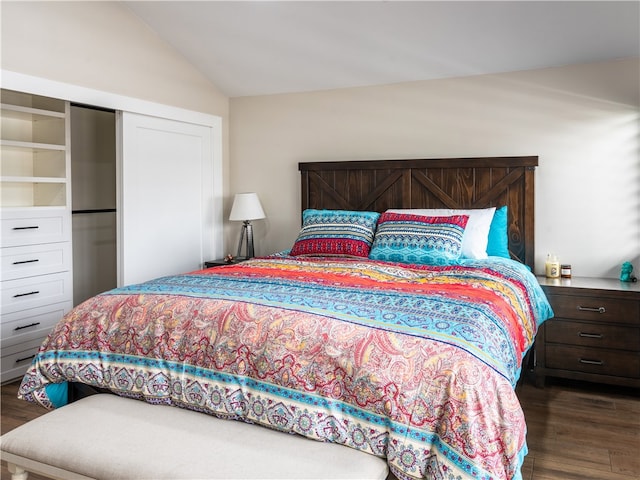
x: 32, y: 292
x: 36, y: 275
x: 17, y: 358
x: 31, y: 324
x: 37, y: 226
x: 36, y: 287
x: 32, y: 260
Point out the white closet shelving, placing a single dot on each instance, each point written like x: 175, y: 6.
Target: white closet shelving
x: 36, y: 224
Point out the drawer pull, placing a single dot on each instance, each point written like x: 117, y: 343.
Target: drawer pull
x: 592, y: 309
x: 32, y: 227
x: 35, y: 324
x: 35, y: 292
x: 31, y: 357
x: 590, y: 335
x: 26, y: 261
x: 591, y: 362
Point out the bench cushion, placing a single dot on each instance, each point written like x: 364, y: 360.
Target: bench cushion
x: 109, y: 437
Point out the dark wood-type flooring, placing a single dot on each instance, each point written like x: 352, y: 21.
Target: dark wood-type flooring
x: 577, y: 431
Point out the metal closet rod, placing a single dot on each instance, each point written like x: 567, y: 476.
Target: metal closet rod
x: 94, y: 210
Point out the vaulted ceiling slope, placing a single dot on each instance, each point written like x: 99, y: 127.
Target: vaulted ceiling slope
x: 267, y: 47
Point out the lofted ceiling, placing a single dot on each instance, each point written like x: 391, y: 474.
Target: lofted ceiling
x: 266, y: 47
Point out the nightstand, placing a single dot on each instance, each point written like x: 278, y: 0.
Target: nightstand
x: 595, y: 333
x: 221, y: 261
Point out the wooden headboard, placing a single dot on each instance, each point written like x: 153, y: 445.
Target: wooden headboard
x: 377, y: 185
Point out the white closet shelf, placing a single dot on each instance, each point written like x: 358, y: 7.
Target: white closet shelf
x: 27, y: 179
x: 31, y: 145
x: 28, y: 113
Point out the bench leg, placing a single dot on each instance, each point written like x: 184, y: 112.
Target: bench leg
x: 17, y: 473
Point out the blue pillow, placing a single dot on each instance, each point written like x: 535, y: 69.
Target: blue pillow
x: 498, y: 244
x: 407, y: 238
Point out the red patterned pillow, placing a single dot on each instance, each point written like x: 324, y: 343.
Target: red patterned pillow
x: 336, y: 232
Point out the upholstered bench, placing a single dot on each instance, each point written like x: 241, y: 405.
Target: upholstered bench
x: 108, y: 437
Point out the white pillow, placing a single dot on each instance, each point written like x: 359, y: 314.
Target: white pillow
x: 476, y: 234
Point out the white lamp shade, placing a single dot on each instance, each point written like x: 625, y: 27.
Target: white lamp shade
x: 246, y: 206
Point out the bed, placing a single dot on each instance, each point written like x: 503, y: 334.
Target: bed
x: 412, y: 360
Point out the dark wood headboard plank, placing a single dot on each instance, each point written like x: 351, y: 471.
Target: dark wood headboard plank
x: 432, y: 188
x: 384, y: 185
x: 331, y: 190
x: 488, y: 198
x: 448, y: 163
x: 481, y: 182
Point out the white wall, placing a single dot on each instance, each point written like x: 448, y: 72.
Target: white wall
x: 582, y: 121
x: 104, y: 47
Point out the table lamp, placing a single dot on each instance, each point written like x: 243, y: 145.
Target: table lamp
x: 246, y: 207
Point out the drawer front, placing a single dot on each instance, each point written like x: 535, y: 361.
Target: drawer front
x: 596, y: 308
x: 34, y: 292
x: 593, y: 360
x: 30, y: 229
x: 32, y: 260
x: 592, y: 335
x: 32, y: 324
x: 16, y: 361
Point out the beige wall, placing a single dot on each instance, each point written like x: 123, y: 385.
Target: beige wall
x: 103, y: 46
x: 582, y: 121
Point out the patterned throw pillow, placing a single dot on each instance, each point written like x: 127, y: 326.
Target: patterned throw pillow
x: 407, y: 238
x: 336, y: 232
x: 476, y: 233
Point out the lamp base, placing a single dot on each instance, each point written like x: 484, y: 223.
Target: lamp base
x: 246, y: 234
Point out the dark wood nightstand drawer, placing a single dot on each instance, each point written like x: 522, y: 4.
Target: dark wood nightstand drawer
x: 593, y: 360
x: 592, y: 335
x: 595, y: 332
x: 600, y: 309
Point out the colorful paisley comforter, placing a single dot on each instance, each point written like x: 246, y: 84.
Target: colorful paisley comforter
x: 416, y: 364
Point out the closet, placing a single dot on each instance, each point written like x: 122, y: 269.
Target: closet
x: 93, y: 201
x: 97, y: 196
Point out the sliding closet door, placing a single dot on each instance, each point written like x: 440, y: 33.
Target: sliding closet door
x: 166, y: 209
